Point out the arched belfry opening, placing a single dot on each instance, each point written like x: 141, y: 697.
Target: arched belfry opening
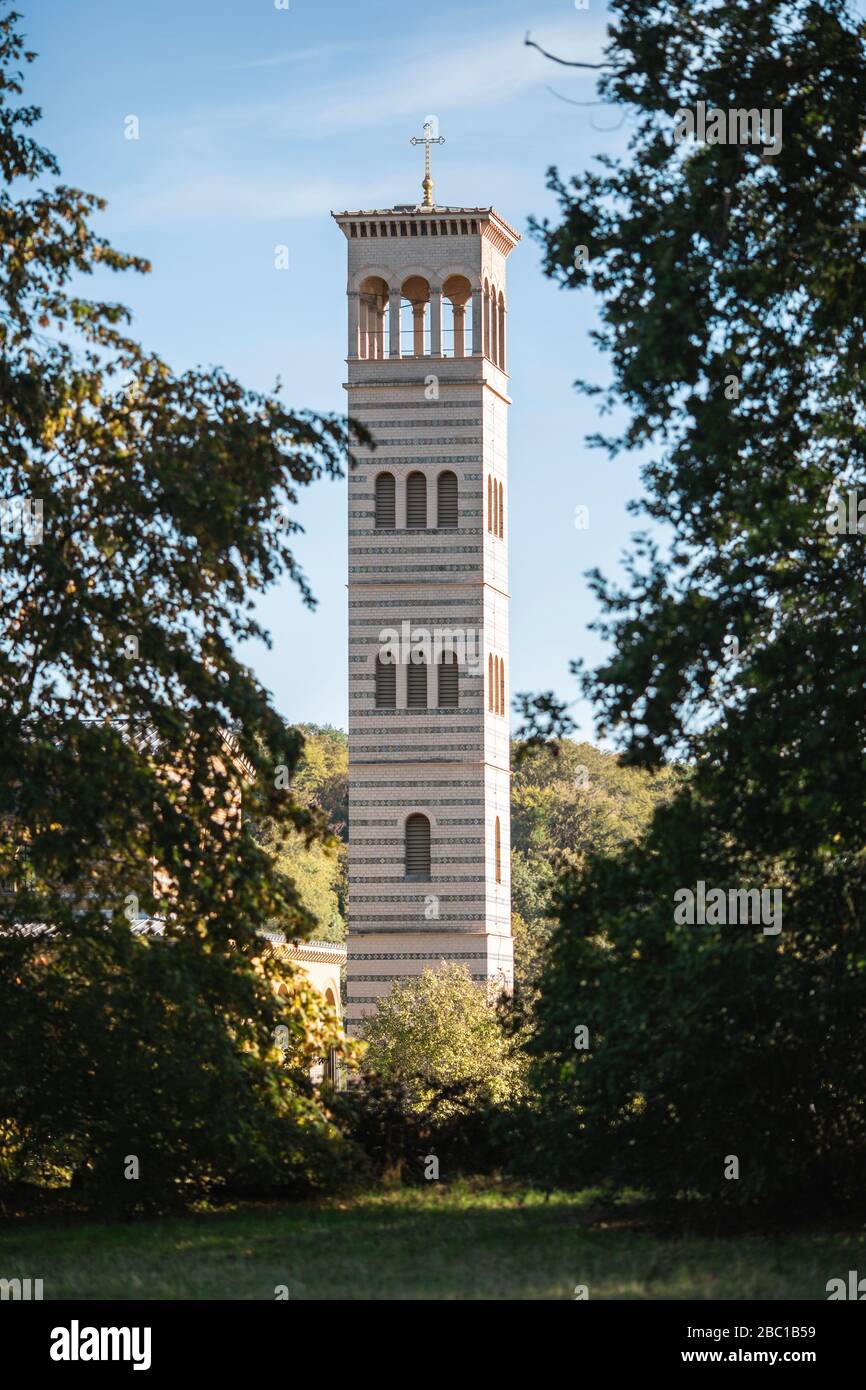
x: 485, y: 330
x: 415, y: 317
x: 373, y: 318
x: 456, y: 317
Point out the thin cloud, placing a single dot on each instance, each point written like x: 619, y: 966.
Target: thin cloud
x: 298, y: 55
x: 170, y: 193
x: 482, y: 71
x: 248, y: 163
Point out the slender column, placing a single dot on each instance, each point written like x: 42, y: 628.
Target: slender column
x: 459, y: 330
x: 418, y: 329
x: 354, y: 299
x: 435, y: 322
x: 477, y: 319
x: 394, y: 300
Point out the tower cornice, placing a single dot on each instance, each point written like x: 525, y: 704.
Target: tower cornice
x: 415, y: 220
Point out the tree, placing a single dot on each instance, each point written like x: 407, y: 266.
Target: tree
x: 441, y: 1029
x: 733, y: 283
x: 567, y: 801
x: 316, y: 871
x: 323, y: 774
x: 319, y: 870
x: 155, y: 506
x: 444, y: 1077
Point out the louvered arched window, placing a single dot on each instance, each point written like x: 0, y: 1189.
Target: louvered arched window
x: 489, y: 503
x: 416, y: 684
x: 501, y: 334
x: 386, y: 501
x: 496, y: 680
x: 386, y: 684
x: 449, y: 681
x: 486, y: 343
x: 446, y: 501
x: 416, y: 501
x: 501, y: 513
x: 417, y: 849
x: 497, y: 846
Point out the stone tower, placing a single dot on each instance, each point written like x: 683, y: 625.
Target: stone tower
x: 429, y: 861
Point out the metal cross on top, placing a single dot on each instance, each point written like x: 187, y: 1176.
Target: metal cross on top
x: 427, y: 139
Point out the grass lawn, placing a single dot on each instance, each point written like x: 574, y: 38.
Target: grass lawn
x: 436, y: 1242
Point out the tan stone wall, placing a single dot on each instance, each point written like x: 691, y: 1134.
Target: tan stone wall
x: 453, y: 766
x: 325, y: 979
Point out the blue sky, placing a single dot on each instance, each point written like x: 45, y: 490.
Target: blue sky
x: 254, y: 123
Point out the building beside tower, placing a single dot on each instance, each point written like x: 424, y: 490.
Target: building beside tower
x: 429, y: 766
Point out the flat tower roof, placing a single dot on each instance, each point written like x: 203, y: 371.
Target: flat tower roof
x: 400, y: 211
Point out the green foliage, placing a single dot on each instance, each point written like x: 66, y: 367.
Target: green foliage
x: 715, y: 262
x: 164, y: 504
x: 318, y: 870
x: 704, y: 1041
x: 568, y: 801
x: 136, y: 1051
x: 441, y: 1029
x: 323, y: 774
x: 443, y: 1076
x: 315, y: 871
x: 573, y: 799
x: 398, y: 1133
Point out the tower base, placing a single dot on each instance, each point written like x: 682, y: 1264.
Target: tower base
x: 379, y: 959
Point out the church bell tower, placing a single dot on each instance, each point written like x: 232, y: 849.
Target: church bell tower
x: 429, y: 771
